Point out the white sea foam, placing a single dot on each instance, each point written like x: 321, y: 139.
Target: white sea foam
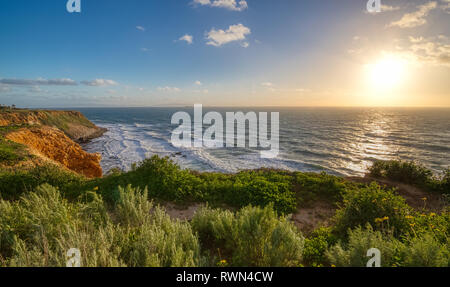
x: 339, y: 141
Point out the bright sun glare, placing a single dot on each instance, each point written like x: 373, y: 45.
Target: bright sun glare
x: 387, y: 73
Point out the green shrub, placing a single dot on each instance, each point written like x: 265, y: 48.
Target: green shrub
x: 133, y: 207
x: 423, y: 251
x: 354, y: 253
x: 426, y: 251
x: 313, y: 186
x: 17, y: 182
x: 251, y: 237
x: 41, y: 227
x: 411, y: 173
x: 443, y: 184
x: 380, y: 208
x: 167, y: 181
x: 316, y: 244
x: 437, y: 225
x: 401, y: 171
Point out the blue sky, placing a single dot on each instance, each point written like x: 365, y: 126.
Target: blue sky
x: 219, y: 52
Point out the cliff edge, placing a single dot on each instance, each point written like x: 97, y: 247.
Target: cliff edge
x: 54, y: 136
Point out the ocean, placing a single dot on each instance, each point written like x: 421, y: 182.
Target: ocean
x: 340, y: 141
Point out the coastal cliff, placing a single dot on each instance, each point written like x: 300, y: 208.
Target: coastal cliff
x: 54, y: 136
x: 74, y: 124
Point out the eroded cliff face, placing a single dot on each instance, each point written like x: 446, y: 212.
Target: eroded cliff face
x: 14, y: 119
x: 54, y: 136
x: 52, y: 143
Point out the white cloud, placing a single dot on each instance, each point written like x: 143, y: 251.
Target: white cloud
x: 198, y: 83
x: 415, y: 19
x: 4, y: 88
x: 145, y: 50
x: 38, y: 82
x: 227, y: 4
x: 140, y: 28
x: 433, y: 51
x: 188, y: 38
x: 99, y: 82
x: 218, y: 38
x: 169, y: 89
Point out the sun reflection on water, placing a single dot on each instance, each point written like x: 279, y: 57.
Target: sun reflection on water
x: 370, y: 142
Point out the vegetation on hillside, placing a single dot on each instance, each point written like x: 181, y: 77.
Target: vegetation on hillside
x: 116, y: 220
x: 166, y: 181
x: 411, y: 173
x: 12, y: 153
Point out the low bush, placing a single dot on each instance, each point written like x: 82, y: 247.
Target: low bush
x: 316, y: 245
x: 411, y: 173
x: 382, y: 209
x: 423, y: 251
x: 251, y: 237
x: 401, y: 171
x: 41, y: 227
x: 167, y: 181
x: 426, y: 251
x: 353, y: 253
x: 313, y: 186
x: 16, y: 182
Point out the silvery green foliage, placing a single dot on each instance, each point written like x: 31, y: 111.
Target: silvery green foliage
x: 251, y: 237
x: 41, y: 227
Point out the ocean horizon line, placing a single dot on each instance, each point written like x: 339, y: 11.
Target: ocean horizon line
x: 243, y: 106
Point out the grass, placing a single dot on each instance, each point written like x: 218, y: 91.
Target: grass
x: 12, y: 153
x: 63, y: 120
x: 115, y: 220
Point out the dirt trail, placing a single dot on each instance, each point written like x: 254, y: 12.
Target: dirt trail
x: 306, y: 219
x: 317, y: 214
x: 182, y: 213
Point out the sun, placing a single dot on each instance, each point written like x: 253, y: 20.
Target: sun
x: 387, y: 73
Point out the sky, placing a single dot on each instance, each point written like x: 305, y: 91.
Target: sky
x: 131, y: 53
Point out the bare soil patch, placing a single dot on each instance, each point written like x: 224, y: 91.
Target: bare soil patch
x: 182, y: 212
x: 316, y: 214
